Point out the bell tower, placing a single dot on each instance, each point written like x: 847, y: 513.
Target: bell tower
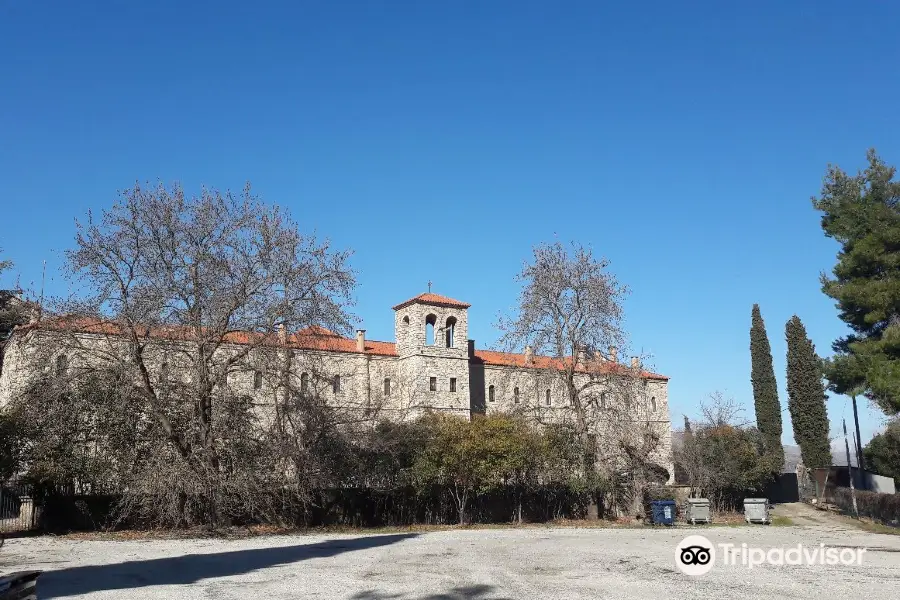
x: 432, y: 333
x: 431, y: 325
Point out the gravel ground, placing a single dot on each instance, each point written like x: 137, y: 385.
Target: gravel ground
x: 529, y: 562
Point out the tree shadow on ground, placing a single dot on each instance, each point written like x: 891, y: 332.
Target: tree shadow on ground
x: 183, y: 570
x: 469, y: 592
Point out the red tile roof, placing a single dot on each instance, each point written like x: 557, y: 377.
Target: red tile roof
x: 310, y: 338
x: 316, y: 330
x: 435, y: 299
x: 319, y: 338
x: 509, y: 359
x: 336, y: 343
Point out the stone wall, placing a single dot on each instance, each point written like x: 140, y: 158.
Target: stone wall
x: 362, y: 377
x: 606, y: 411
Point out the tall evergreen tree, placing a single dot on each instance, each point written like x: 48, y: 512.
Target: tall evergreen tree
x: 883, y: 452
x: 765, y: 389
x: 862, y: 213
x: 806, y: 396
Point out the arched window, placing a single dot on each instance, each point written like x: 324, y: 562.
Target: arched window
x: 257, y: 380
x: 62, y: 365
x: 547, y: 395
x: 387, y: 386
x: 653, y: 403
x: 304, y: 383
x: 450, y: 332
x: 336, y: 384
x: 516, y: 395
x: 430, y: 322
x: 490, y: 393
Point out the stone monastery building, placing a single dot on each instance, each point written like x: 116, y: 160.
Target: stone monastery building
x: 432, y: 365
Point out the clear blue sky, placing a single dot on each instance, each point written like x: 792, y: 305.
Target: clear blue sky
x: 441, y: 140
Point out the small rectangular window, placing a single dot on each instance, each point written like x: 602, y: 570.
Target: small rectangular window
x: 257, y: 380
x: 453, y: 384
x: 387, y: 386
x: 516, y: 395
x: 491, y: 394
x: 337, y: 384
x: 432, y: 384
x: 62, y: 364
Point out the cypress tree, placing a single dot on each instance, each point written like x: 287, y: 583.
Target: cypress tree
x: 765, y: 389
x: 806, y: 396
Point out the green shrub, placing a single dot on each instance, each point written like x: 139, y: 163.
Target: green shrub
x: 884, y: 508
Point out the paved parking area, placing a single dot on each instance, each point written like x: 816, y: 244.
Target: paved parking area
x: 529, y: 562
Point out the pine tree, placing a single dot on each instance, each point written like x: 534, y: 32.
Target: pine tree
x: 862, y: 213
x: 806, y: 396
x: 765, y: 389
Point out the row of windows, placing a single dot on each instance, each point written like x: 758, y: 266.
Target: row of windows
x: 492, y: 397
x: 336, y: 384
x: 304, y: 382
x: 432, y: 384
x: 62, y: 362
x: 62, y: 365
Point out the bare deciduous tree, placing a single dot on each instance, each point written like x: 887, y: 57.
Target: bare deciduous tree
x: 186, y: 294
x: 570, y: 309
x: 569, y: 312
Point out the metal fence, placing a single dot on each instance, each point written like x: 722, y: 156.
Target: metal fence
x: 18, y: 510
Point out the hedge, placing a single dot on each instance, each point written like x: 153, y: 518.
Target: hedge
x: 884, y: 508
x: 358, y: 507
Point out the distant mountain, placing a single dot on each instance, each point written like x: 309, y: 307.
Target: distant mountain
x: 791, y: 458
x: 839, y: 454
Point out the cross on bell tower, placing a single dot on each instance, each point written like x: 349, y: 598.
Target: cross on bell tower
x: 429, y: 286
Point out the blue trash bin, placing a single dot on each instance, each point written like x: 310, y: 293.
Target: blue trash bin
x: 663, y: 512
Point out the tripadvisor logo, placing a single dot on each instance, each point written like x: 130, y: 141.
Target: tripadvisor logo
x: 695, y: 555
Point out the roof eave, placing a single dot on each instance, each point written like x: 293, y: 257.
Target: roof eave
x: 412, y: 301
